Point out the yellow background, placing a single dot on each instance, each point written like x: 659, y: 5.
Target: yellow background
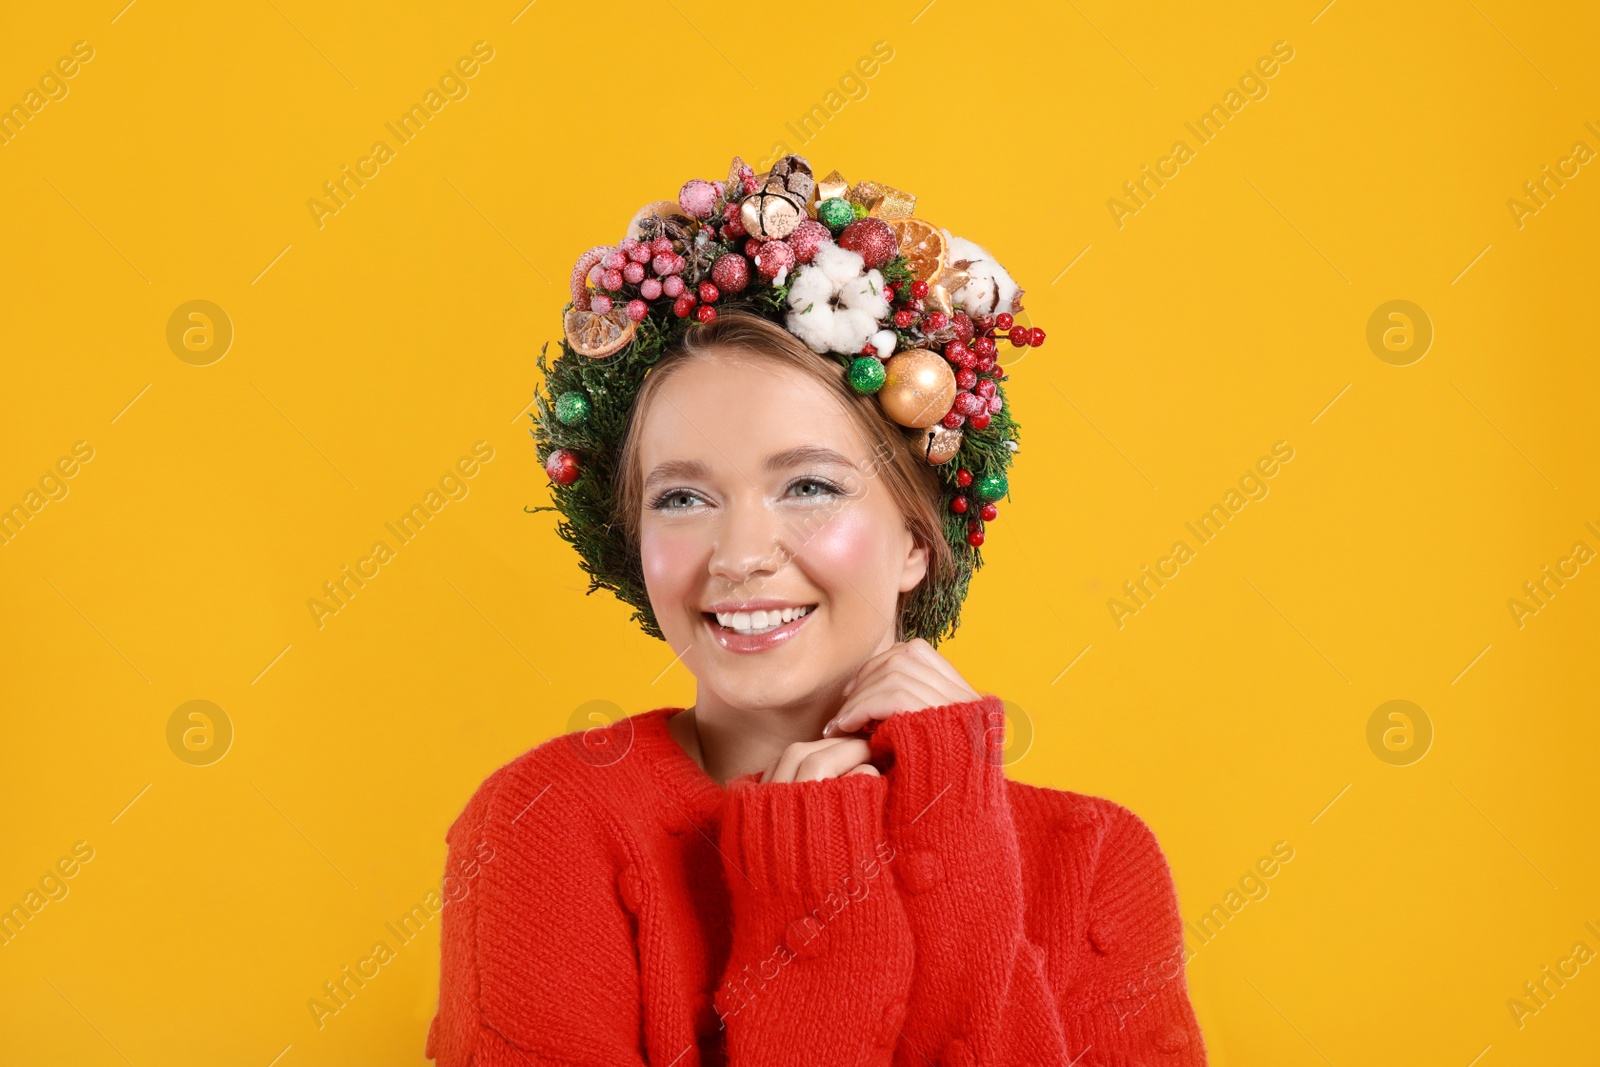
x: 371, y: 353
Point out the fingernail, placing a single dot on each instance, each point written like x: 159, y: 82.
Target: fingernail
x: 828, y: 729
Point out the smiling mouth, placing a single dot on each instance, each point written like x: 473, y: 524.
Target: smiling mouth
x: 756, y: 623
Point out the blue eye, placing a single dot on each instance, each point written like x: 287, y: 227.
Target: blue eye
x: 661, y: 502
x: 826, y: 486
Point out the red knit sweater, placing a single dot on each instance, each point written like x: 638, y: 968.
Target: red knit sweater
x: 613, y: 906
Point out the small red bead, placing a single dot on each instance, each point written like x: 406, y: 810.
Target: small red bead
x: 974, y: 538
x: 955, y: 351
x: 988, y: 512
x: 709, y: 292
x: 984, y: 322
x: 683, y: 305
x: 980, y: 421
x: 919, y: 290
x: 705, y: 313
x: 661, y: 245
x: 959, y: 505
x: 752, y: 247
x: 904, y: 319
x: 953, y: 419
x: 1003, y: 321
x: 984, y: 346
x: 963, y: 477
x: 938, y: 320
x: 1035, y: 337
x: 1019, y: 336
x: 966, y: 379
x: 869, y: 350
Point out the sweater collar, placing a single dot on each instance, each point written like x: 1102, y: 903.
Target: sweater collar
x: 692, y: 791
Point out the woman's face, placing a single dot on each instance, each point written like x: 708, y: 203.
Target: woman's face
x: 761, y: 498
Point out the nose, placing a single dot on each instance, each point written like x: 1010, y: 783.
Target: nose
x: 750, y: 543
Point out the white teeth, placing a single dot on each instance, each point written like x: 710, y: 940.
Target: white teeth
x: 759, y: 622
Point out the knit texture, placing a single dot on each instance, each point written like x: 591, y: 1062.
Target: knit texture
x: 634, y: 912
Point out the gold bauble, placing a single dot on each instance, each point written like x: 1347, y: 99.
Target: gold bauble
x: 940, y: 444
x: 918, y: 388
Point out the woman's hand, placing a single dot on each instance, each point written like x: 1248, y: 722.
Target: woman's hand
x: 812, y: 761
x: 908, y: 676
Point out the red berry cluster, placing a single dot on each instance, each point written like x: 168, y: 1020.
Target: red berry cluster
x: 655, y: 267
x: 962, y: 504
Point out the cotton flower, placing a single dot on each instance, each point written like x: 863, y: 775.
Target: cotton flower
x: 834, y: 305
x: 988, y: 289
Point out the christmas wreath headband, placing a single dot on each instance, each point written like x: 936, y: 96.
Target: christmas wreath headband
x: 914, y: 314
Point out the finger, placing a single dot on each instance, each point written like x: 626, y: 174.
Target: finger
x: 930, y: 655
x: 865, y: 768
x: 886, y: 697
x: 871, y: 666
x: 790, y: 758
x: 833, y: 762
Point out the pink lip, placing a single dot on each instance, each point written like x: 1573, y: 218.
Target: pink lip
x: 734, y: 641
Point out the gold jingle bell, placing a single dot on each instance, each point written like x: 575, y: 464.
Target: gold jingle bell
x: 940, y: 444
x: 771, y: 213
x: 918, y: 388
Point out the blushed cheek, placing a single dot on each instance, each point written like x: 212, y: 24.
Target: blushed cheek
x: 849, y: 544
x: 673, y: 563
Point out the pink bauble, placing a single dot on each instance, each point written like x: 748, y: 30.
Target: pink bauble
x: 698, y: 198
x: 872, y: 239
x: 731, y: 273
x: 774, y: 256
x: 650, y: 288
x: 807, y: 238
x: 672, y: 285
x: 665, y: 263
x: 600, y: 305
x: 637, y: 310
x: 633, y: 273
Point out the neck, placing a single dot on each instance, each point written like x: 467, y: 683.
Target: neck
x: 734, y: 741
x: 728, y: 741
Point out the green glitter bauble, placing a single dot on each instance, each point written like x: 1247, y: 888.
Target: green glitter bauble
x: 991, y: 487
x: 858, y: 210
x: 835, y: 214
x: 572, y: 408
x: 866, y: 375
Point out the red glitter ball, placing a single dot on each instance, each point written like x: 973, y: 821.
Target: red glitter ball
x: 705, y: 313
x: 807, y: 238
x: 979, y: 421
x: 562, y: 466
x: 872, y: 239
x: 963, y: 477
x: 773, y: 257
x: 959, y: 505
x: 731, y: 273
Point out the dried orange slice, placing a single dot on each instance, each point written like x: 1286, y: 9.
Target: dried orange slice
x: 595, y: 335
x: 922, y: 244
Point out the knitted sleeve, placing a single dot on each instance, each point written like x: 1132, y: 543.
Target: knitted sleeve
x: 980, y: 997
x: 821, y: 956
x: 537, y: 959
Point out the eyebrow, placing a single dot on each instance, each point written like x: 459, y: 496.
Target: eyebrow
x: 798, y: 456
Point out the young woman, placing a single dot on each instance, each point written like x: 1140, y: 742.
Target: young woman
x: 821, y: 861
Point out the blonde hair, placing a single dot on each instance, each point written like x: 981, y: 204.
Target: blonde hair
x: 912, y: 483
